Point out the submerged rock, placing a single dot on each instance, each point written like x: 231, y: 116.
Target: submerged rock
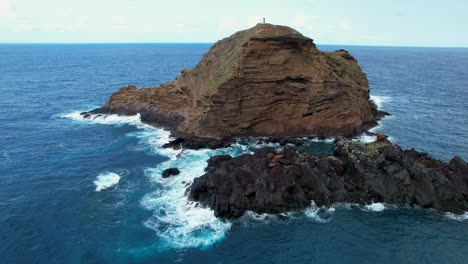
x: 264, y: 81
x: 270, y: 182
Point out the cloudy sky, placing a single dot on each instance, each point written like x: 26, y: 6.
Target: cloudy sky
x: 354, y: 22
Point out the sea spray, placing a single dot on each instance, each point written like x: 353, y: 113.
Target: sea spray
x: 180, y: 222
x: 380, y: 100
x: 365, y: 138
x: 106, y: 119
x: 374, y: 207
x: 457, y: 217
x: 319, y: 214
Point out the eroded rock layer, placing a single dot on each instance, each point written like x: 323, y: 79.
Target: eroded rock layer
x: 270, y: 182
x: 265, y: 81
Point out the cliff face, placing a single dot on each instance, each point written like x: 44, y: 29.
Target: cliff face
x: 268, y: 80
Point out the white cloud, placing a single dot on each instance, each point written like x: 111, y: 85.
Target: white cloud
x: 23, y: 27
x: 7, y: 8
x: 298, y: 21
x: 345, y: 25
x: 253, y: 20
x: 53, y: 26
x: 226, y: 25
x: 119, y: 20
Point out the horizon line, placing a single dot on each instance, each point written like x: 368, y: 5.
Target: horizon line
x: 211, y: 43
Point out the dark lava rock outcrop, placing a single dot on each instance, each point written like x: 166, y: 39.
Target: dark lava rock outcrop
x: 270, y: 182
x: 264, y: 81
x: 170, y: 172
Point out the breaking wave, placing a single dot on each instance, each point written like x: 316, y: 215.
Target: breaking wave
x: 176, y: 220
x: 319, y: 214
x: 106, y: 119
x: 457, y: 217
x: 154, y: 137
x: 364, y: 138
x: 374, y: 207
x: 380, y: 100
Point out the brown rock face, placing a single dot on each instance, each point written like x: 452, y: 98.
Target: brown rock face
x: 265, y: 81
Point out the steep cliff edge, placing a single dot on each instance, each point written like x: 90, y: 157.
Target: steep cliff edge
x: 264, y: 81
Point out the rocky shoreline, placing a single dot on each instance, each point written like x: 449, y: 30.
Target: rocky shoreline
x: 270, y: 182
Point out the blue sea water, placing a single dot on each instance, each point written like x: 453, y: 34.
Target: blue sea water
x: 77, y: 191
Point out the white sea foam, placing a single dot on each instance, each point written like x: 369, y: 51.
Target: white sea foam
x: 326, y: 140
x: 106, y: 180
x: 180, y: 222
x: 154, y: 137
x: 6, y: 155
x: 457, y: 217
x: 380, y: 127
x: 113, y: 119
x: 380, y: 100
x: 364, y: 138
x: 319, y: 214
x: 374, y: 207
x: 252, y: 216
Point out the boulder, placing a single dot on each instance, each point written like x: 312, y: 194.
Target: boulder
x: 170, y: 172
x: 381, y: 137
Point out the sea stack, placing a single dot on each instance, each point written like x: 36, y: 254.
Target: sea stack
x: 268, y: 80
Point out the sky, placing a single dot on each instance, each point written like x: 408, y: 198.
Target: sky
x: 434, y: 23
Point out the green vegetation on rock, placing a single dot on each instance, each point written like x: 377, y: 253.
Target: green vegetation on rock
x: 355, y: 149
x: 347, y: 68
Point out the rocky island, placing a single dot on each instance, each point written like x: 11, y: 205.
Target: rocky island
x: 264, y: 81
x: 272, y: 81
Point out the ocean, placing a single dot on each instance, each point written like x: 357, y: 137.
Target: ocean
x: 80, y: 191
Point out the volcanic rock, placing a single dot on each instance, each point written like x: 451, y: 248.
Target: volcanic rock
x: 381, y: 138
x: 356, y: 173
x: 264, y: 81
x: 170, y: 172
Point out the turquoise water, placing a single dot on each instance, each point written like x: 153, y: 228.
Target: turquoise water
x: 78, y: 191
